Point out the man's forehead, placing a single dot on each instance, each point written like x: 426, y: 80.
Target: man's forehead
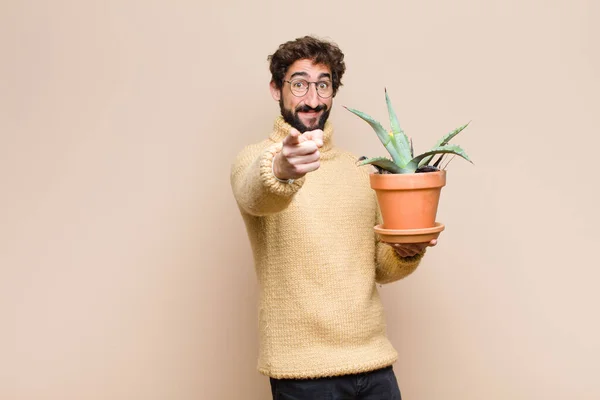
x: 307, y: 68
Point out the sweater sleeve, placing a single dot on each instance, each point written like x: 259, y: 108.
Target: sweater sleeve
x: 390, y: 266
x: 254, y: 185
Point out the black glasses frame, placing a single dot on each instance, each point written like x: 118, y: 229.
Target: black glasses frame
x: 308, y: 88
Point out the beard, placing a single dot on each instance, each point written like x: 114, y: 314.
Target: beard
x: 293, y: 119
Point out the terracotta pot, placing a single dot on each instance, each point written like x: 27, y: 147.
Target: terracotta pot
x: 408, y: 201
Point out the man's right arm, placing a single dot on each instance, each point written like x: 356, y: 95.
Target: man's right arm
x: 257, y: 189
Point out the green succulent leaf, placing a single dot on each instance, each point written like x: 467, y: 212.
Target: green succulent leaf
x: 439, y: 161
x: 384, y: 163
x: 383, y: 135
x: 451, y: 149
x: 443, y: 141
x: 400, y: 139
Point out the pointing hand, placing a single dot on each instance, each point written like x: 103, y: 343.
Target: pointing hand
x: 299, y: 154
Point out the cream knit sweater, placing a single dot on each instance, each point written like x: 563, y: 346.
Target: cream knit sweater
x: 317, y: 260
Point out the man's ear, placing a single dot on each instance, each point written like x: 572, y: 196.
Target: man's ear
x: 276, y: 93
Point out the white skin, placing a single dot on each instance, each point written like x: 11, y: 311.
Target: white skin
x: 300, y: 152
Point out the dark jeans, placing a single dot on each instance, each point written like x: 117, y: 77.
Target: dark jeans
x: 375, y: 385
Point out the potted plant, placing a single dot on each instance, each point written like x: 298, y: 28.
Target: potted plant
x: 408, y: 187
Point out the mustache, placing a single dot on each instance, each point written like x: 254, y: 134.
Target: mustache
x: 305, y: 108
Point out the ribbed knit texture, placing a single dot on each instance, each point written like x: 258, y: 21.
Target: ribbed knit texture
x: 317, y: 260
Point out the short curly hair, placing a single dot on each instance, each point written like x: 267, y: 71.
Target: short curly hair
x: 311, y: 48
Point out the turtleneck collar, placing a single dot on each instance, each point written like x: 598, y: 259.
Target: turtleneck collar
x: 281, y: 129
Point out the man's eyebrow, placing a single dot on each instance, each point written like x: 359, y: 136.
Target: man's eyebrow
x: 299, y: 73
x: 305, y: 75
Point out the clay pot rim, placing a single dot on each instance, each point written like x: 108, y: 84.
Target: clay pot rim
x: 439, y: 172
x: 421, y: 180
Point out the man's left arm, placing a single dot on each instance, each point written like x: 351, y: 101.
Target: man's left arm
x: 397, y: 261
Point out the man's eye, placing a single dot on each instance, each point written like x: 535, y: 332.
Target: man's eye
x: 323, y: 85
x: 298, y: 84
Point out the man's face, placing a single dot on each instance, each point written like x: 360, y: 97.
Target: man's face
x: 309, y: 111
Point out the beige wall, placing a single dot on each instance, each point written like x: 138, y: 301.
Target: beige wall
x: 125, y: 271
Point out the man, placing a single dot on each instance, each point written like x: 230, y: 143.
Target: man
x: 309, y: 212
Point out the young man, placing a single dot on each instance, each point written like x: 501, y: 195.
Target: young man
x: 309, y: 212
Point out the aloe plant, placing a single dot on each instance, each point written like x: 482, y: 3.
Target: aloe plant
x: 400, y: 147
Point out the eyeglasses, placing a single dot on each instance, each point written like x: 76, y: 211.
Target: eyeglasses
x: 299, y: 87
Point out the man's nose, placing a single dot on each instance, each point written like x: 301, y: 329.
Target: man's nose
x: 311, y: 97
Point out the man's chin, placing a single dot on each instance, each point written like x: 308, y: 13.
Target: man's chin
x: 311, y: 122
x: 311, y: 126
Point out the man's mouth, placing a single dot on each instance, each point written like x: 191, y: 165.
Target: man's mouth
x: 311, y: 113
x: 310, y: 110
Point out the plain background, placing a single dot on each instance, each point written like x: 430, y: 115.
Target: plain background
x: 125, y: 270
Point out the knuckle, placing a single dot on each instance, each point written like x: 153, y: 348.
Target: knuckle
x: 314, y: 166
x: 312, y: 158
x: 310, y: 146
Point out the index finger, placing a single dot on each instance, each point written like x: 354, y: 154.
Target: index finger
x: 293, y: 137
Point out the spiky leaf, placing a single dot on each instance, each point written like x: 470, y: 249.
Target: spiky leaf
x: 444, y: 140
x: 400, y: 139
x: 439, y: 160
x: 452, y: 149
x: 448, y: 162
x: 383, y: 135
x: 383, y: 163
